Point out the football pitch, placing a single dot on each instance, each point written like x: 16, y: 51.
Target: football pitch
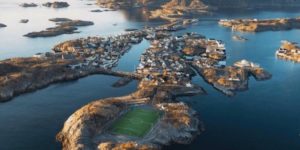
x: 137, y: 122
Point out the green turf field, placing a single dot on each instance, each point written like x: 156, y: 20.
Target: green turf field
x: 136, y: 122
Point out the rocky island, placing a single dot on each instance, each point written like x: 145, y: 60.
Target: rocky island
x: 239, y: 38
x: 289, y: 51
x: 100, y: 121
x: 64, y: 26
x: 96, y: 10
x: 56, y: 4
x: 60, y: 19
x: 256, y: 25
x: 28, y: 5
x: 2, y: 25
x: 24, y: 21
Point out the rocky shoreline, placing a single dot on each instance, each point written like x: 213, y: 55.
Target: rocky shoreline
x: 231, y: 79
x: 64, y: 26
x: 256, y: 25
x: 289, y: 51
x: 23, y: 75
x: 179, y: 123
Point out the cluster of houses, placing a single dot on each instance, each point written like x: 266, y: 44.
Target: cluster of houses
x: 205, y: 52
x: 168, y: 57
x: 101, y: 52
x: 289, y: 51
x: 164, y: 64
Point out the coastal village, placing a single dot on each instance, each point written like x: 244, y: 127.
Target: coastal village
x: 151, y: 117
x: 169, y: 57
x: 165, y: 72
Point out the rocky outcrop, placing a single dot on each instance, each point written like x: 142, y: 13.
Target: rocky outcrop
x: 55, y: 31
x: 239, y: 38
x: 75, y: 23
x: 60, y: 19
x: 20, y: 75
x: 24, y: 21
x: 28, y: 5
x: 56, y: 4
x: 2, y: 25
x: 64, y: 26
x: 96, y: 10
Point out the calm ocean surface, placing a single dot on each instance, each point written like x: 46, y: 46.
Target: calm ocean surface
x: 266, y: 117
